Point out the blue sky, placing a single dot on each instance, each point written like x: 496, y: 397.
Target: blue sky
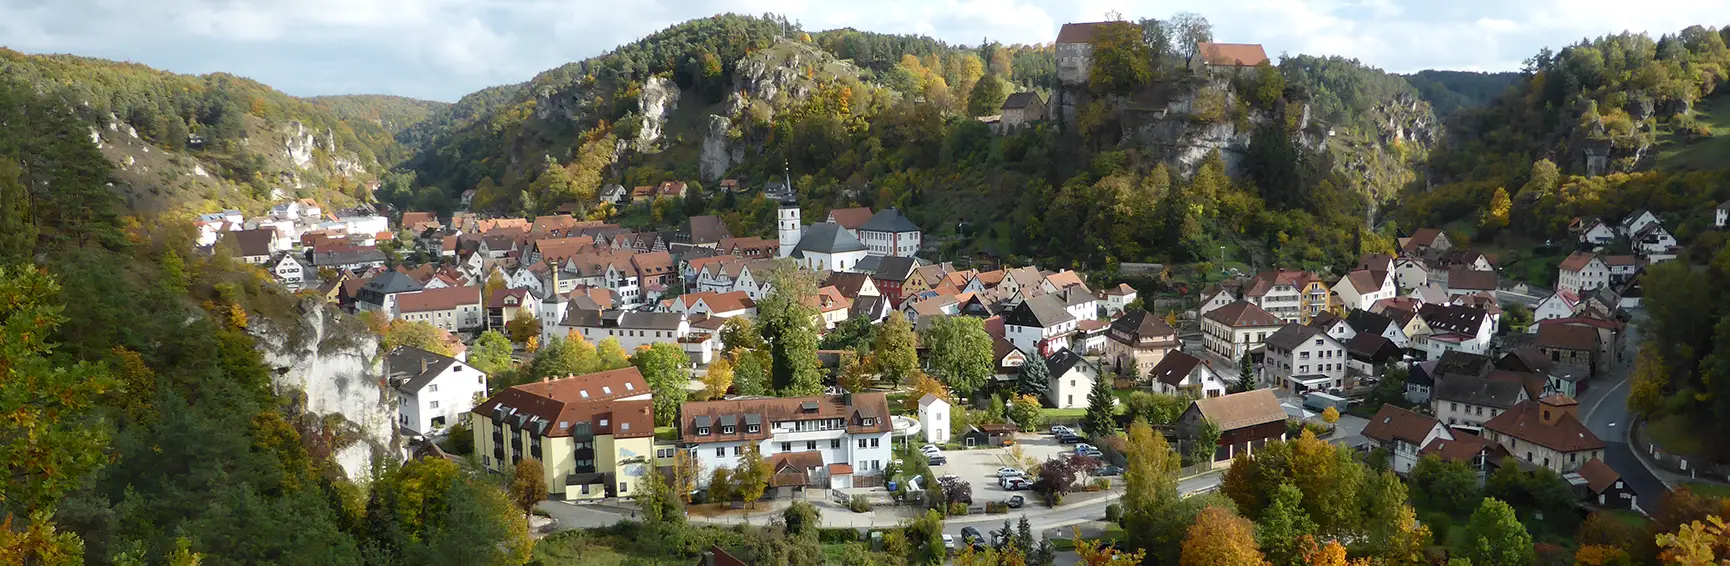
x: 442, y: 49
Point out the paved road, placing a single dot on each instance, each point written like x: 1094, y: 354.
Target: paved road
x: 1604, y: 407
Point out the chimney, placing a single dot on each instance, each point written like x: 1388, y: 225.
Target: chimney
x: 847, y: 398
x: 424, y: 363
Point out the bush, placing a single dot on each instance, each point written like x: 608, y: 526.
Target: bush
x: 957, y: 509
x: 1439, y: 524
x: 859, y: 504
x: 996, y: 507
x: 1114, y: 512
x: 1100, y: 484
x: 837, y: 536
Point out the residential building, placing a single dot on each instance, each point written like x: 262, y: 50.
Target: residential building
x: 1230, y: 56
x: 1569, y: 345
x: 1455, y: 328
x: 1597, y: 234
x: 1721, y: 214
x: 1468, y: 401
x: 1332, y: 325
x: 1022, y: 108
x: 291, y: 271
x: 1423, y: 240
x: 1366, y: 322
x: 1246, y: 421
x: 1234, y: 330
x: 1072, y: 378
x: 1180, y: 373
x: 1403, y: 433
x: 1216, y: 296
x: 1653, y: 239
x: 1581, y: 272
x: 1546, y: 432
x: 1411, y: 272
x: 1466, y: 281
x: 889, y: 233
x: 1605, y: 487
x: 1281, y: 293
x: 1476, y: 452
x: 1637, y: 222
x: 453, y: 309
x: 1560, y: 304
x: 504, y: 304
x: 1361, y: 289
x: 594, y: 434
x: 1302, y: 358
x: 250, y: 246
x: 843, y: 435
x: 633, y: 329
x: 1366, y: 355
x: 1137, y: 341
x: 432, y: 391
x: 934, y: 419
x: 891, y: 276
x: 380, y: 294
x: 850, y: 218
x: 1039, y: 325
x: 1116, y: 300
x: 723, y: 305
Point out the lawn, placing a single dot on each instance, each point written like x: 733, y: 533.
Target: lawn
x: 1067, y: 544
x: 1677, y: 435
x: 1063, y: 413
x: 666, y: 433
x: 1709, y: 489
x: 1677, y: 152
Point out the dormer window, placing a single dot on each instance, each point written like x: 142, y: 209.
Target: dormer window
x: 753, y: 428
x: 702, y: 431
x: 603, y: 422
x: 727, y: 430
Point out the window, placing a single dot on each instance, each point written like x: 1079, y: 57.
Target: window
x: 702, y: 431
x: 603, y: 422
x: 623, y: 487
x: 721, y: 451
x: 874, y: 443
x: 862, y: 443
x: 737, y: 450
x: 434, y: 404
x: 434, y: 388
x: 786, y: 447
x: 810, y: 445
x: 727, y: 429
x: 1453, y: 406
x: 835, y: 443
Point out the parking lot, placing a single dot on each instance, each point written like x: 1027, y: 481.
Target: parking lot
x: 979, y: 465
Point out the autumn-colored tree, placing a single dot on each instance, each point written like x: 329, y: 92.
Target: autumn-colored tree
x: 416, y: 334
x: 855, y: 375
x: 924, y: 384
x: 491, y: 353
x: 751, y: 477
x: 686, y: 471
x: 1121, y: 59
x: 1496, y: 213
x: 528, y: 485
x: 1025, y: 411
x: 1093, y: 553
x: 959, y: 352
x: 1696, y: 543
x: 1220, y: 538
x: 718, y: 379
x: 1150, y: 480
x: 495, y: 283
x: 1330, y: 415
x: 610, y: 355
x: 897, y: 350
x: 1241, y: 484
x: 521, y: 326
x: 1600, y: 555
x: 1651, y: 378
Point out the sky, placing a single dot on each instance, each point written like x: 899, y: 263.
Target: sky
x: 443, y: 49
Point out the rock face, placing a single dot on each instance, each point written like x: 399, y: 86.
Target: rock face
x: 718, y: 154
x: 657, y: 101
x: 298, y: 145
x: 334, y: 369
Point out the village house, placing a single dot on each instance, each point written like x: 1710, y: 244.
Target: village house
x: 380, y: 293
x: 850, y: 218
x: 1072, y: 378
x: 1581, y: 272
x: 1653, y: 239
x: 1467, y: 401
x: 889, y: 233
x: 827, y: 247
x: 1366, y: 322
x: 1282, y: 293
x: 1116, y: 300
x: 1467, y: 281
x: 1362, y: 288
x: 1403, y: 433
x: 1247, y: 421
x: 824, y: 441
x: 250, y: 246
x: 1411, y: 272
x: 634, y: 329
x: 1237, y: 329
x: 1021, y: 109
x: 1179, y: 373
x: 1137, y: 341
x: 432, y: 391
x: 1476, y: 452
x: 594, y: 434
x: 1455, y: 328
x: 1235, y: 57
x: 1039, y: 325
x: 1597, y: 233
x: 504, y: 304
x: 1423, y: 240
x: 1302, y: 358
x: 452, y: 309
x: 722, y: 305
x: 1546, y: 432
x: 1216, y: 296
x: 892, y: 276
x: 1367, y: 355
x: 1569, y: 345
x: 1074, y: 45
x: 1560, y: 304
x: 291, y: 271
x: 1605, y: 487
x: 1332, y: 325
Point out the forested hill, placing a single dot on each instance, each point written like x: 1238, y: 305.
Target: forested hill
x: 1452, y: 91
x: 184, y: 142
x: 1601, y: 128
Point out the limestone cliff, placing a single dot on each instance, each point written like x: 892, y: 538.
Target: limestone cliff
x: 326, y: 364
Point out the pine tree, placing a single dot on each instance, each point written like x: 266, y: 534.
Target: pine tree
x: 1035, y: 377
x: 1100, y: 420
x: 1245, y: 373
x: 17, y: 231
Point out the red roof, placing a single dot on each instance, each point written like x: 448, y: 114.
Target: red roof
x: 1395, y: 423
x: 1243, y: 314
x: 1231, y: 54
x: 1598, y: 475
x: 840, y: 469
x: 1525, y: 422
x: 1081, y: 32
x: 1577, y: 261
x: 439, y: 299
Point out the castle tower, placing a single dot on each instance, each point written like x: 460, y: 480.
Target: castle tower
x: 789, y: 227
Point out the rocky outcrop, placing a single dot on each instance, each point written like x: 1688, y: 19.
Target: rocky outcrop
x: 328, y: 360
x: 720, y: 152
x: 298, y: 145
x: 658, y: 99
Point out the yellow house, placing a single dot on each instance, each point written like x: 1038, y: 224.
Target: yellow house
x: 594, y: 434
x: 1314, y: 298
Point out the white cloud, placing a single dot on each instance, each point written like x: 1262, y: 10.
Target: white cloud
x: 444, y: 48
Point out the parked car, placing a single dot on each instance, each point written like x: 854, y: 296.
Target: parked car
x: 1104, y: 471
x: 1083, y: 447
x: 1068, y: 438
x: 1004, y: 481
x: 938, y: 460
x: 1060, y: 430
x: 1091, y: 452
x: 1017, y: 484
x: 971, y: 537
x: 1007, y: 472
x: 1015, y: 501
x: 949, y: 542
x: 930, y: 448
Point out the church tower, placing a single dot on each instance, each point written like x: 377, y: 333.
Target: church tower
x: 789, y: 226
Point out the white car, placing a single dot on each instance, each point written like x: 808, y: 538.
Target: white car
x: 949, y: 542
x: 930, y: 449
x: 1009, y: 472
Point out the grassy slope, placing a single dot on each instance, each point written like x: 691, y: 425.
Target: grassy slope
x: 1676, y: 152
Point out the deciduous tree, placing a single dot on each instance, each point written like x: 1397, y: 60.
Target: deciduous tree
x: 960, y: 352
x: 528, y: 485
x: 787, y: 321
x: 609, y: 355
x: 1284, y: 526
x: 491, y: 353
x: 416, y: 334
x: 1496, y: 536
x: 663, y: 366
x: 896, y: 350
x: 1025, y: 412
x: 751, y: 477
x: 926, y: 385
x: 522, y: 325
x: 1150, y: 481
x: 718, y: 379
x: 1220, y: 538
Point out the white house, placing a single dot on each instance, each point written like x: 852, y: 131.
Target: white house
x: 723, y: 305
x: 827, y: 246
x: 252, y: 246
x: 633, y: 329
x: 1469, y: 401
x: 1179, y: 372
x: 1035, y: 325
x: 1581, y: 272
x: 1597, y: 234
x: 291, y: 271
x: 453, y: 309
x: 1455, y: 327
x: 1721, y: 214
x: 888, y: 233
x: 1362, y: 288
x: 1546, y: 432
x: 822, y: 441
x: 934, y: 419
x: 432, y: 391
x: 1302, y: 358
x: 1403, y: 433
x: 1117, y: 299
x: 1216, y: 297
x: 1638, y: 222
x: 1560, y: 304
x: 1238, y: 328
x: 1411, y: 273
x: 380, y: 294
x: 1072, y: 379
x: 1653, y: 239
x: 1366, y: 322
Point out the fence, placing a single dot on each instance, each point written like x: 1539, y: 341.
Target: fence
x: 1669, y: 461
